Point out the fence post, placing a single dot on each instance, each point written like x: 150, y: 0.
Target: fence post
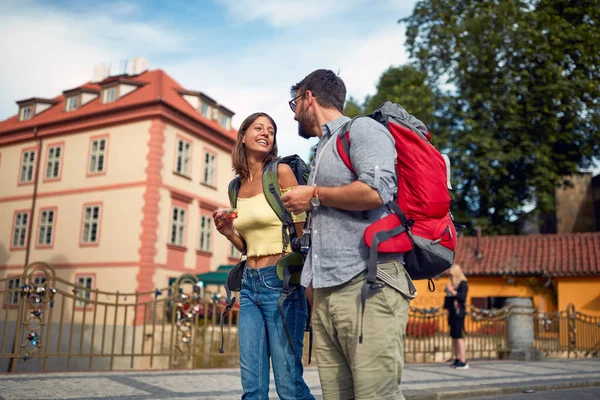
x: 520, y: 330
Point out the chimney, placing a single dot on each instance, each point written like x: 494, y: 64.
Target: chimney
x: 138, y: 65
x: 100, y: 73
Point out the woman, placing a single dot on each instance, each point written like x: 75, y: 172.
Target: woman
x: 456, y: 296
x: 257, y: 230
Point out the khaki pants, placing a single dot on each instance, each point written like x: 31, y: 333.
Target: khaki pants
x: 373, y: 369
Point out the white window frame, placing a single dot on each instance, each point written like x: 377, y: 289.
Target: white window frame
x: 72, y: 103
x: 20, y: 229
x: 91, y: 224
x: 224, y: 121
x: 184, y: 150
x: 88, y: 283
x: 234, y: 252
x: 205, y: 110
x: 205, y: 233
x: 26, y: 113
x: 53, y: 161
x: 27, y: 166
x: 12, y: 298
x: 109, y: 95
x: 47, y: 221
x: 97, y: 161
x: 178, y: 215
x: 210, y: 161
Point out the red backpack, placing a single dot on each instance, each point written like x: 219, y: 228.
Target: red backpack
x: 421, y: 224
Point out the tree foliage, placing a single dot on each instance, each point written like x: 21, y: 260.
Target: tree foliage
x: 523, y: 109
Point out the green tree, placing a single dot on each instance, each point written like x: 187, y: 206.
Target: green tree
x: 524, y: 105
x: 406, y: 86
x: 352, y: 108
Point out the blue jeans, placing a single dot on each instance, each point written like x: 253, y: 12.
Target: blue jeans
x: 263, y: 339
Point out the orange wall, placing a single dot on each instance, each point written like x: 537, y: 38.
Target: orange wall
x: 481, y: 287
x: 584, y: 293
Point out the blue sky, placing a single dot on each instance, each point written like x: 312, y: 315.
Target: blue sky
x: 244, y: 53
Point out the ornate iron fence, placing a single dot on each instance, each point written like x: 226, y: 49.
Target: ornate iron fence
x: 50, y: 324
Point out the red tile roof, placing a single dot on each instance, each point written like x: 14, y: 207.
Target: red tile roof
x: 156, y: 86
x: 566, y: 254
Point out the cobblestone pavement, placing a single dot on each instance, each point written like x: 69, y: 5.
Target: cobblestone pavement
x: 420, y: 381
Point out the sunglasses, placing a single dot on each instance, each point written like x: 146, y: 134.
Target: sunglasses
x: 293, y: 104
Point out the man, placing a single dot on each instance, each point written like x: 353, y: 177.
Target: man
x: 336, y: 263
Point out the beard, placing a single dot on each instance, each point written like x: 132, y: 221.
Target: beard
x: 307, y: 125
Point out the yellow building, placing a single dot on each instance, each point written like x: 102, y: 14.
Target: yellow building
x: 551, y: 269
x: 114, y: 182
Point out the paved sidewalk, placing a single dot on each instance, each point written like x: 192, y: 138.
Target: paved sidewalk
x: 420, y: 382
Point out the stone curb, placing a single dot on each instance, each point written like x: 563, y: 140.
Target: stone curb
x: 488, y: 390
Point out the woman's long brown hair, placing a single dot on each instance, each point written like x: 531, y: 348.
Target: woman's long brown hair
x: 238, y: 155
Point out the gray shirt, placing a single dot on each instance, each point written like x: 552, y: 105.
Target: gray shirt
x: 338, y: 252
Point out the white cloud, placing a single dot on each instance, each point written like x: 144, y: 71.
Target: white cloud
x: 261, y: 76
x: 46, y: 51
x: 57, y: 51
x: 288, y: 13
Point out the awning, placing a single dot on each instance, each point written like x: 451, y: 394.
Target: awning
x: 213, y: 278
x: 218, y: 277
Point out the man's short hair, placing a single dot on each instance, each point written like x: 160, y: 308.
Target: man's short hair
x: 328, y: 88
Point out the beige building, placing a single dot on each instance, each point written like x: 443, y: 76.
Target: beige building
x: 114, y: 182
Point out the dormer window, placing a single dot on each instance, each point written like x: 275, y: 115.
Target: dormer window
x: 33, y: 106
x: 204, y: 110
x: 224, y: 121
x: 72, y: 103
x: 110, y: 95
x: 26, y: 113
x: 79, y: 97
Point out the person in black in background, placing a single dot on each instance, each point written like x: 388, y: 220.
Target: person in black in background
x: 456, y: 296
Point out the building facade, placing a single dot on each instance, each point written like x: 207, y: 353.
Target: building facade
x: 114, y: 182
x: 553, y: 270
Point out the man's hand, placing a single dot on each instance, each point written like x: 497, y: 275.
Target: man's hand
x: 297, y: 200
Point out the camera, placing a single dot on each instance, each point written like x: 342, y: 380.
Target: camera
x: 301, y: 244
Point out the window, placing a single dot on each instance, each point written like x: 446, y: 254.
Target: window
x: 177, y: 226
x: 204, y: 110
x: 26, y: 113
x: 110, y: 95
x: 53, y: 164
x: 205, y: 232
x: 183, y: 157
x: 46, y: 232
x: 20, y: 229
x: 224, y: 121
x: 12, y: 298
x: 91, y: 223
x: 27, y: 166
x: 234, y: 252
x: 97, y: 156
x: 209, y: 168
x: 73, y: 103
x: 39, y: 280
x: 85, y: 291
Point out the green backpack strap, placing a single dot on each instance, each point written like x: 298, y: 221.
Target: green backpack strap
x: 272, y: 193
x: 233, y: 190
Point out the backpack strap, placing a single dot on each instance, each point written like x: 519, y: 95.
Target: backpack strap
x: 343, y: 144
x: 233, y: 190
x: 270, y: 181
x: 272, y: 193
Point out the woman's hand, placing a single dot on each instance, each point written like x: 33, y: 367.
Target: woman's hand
x: 223, y: 219
x: 450, y: 289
